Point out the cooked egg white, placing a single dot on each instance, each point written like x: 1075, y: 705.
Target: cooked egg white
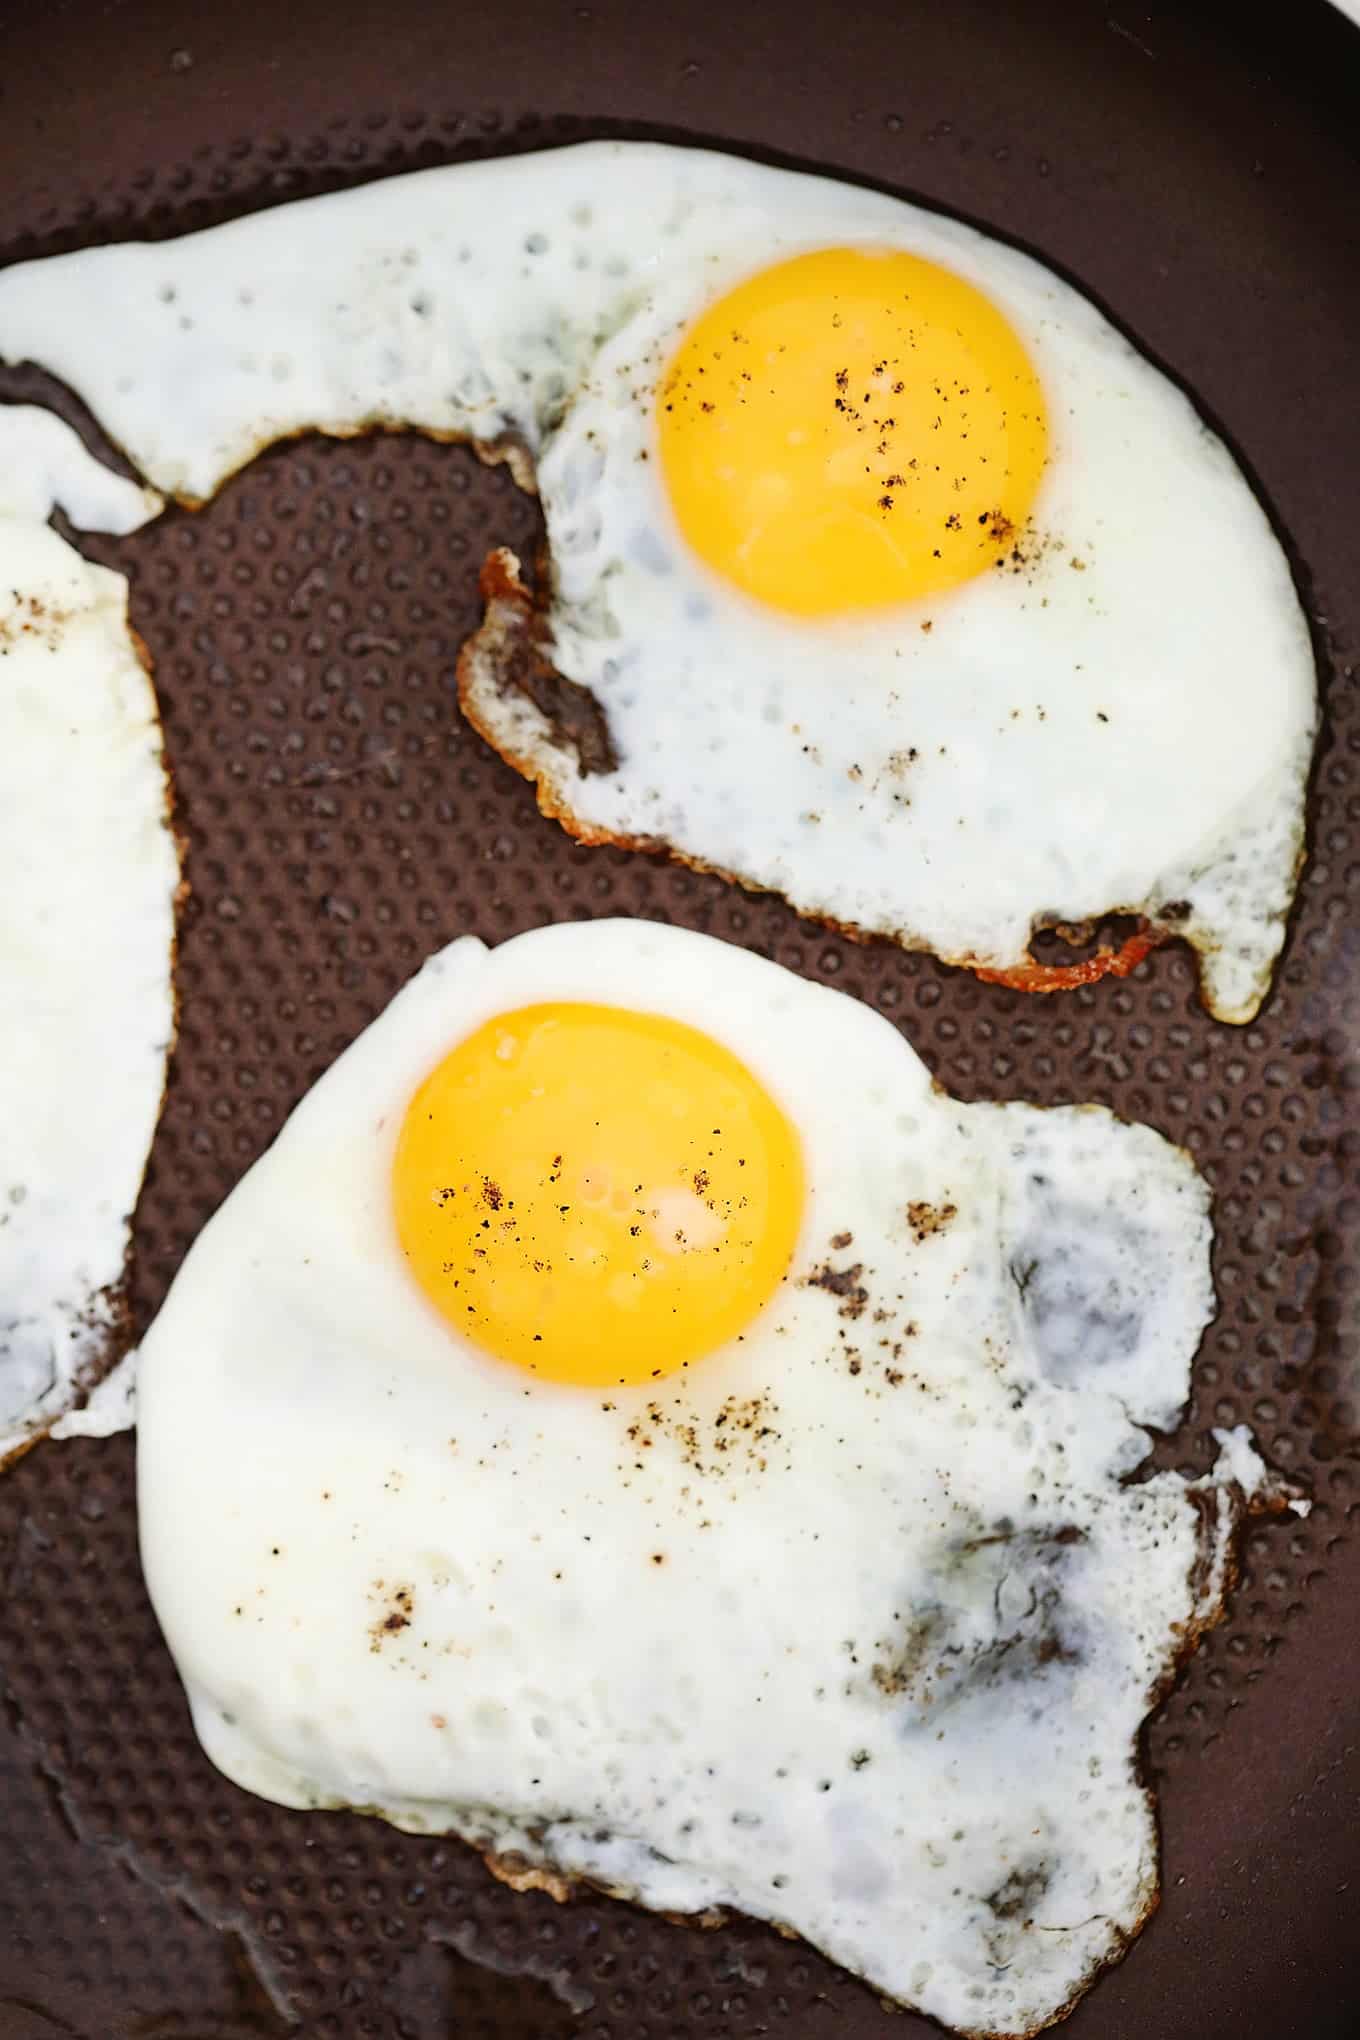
x: 901, y: 582
x: 88, y: 877
x: 462, y: 1503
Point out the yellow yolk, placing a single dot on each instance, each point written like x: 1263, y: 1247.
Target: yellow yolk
x: 851, y: 429
x: 596, y: 1194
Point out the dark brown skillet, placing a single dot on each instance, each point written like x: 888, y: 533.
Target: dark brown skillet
x: 1197, y: 172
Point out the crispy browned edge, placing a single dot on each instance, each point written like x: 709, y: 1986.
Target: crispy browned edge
x: 513, y: 616
x: 500, y: 583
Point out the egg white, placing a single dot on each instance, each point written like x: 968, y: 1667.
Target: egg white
x: 89, y: 873
x: 852, y: 1626
x: 1121, y: 721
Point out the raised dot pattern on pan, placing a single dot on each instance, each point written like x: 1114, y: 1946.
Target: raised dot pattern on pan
x: 343, y: 823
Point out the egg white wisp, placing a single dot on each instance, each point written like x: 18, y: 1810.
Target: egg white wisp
x: 88, y: 877
x: 847, y: 1620
x: 969, y: 625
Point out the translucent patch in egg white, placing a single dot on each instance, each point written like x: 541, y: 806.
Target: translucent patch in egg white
x: 577, y: 473
x: 553, y: 398
x: 583, y: 537
x: 473, y: 391
x: 646, y: 550
x: 30, y: 1371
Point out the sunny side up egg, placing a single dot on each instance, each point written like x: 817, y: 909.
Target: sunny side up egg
x: 89, y: 873
x: 633, y: 1420
x: 885, y: 572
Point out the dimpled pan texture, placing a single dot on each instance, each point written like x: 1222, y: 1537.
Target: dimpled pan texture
x: 342, y: 823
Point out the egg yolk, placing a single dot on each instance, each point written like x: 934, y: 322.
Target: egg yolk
x: 851, y: 429
x: 599, y: 1195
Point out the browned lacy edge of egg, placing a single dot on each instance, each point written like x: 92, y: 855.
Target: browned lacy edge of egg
x: 506, y: 449
x: 111, y: 1304
x: 521, y: 1874
x: 108, y: 1310
x: 570, y: 708
x: 506, y: 655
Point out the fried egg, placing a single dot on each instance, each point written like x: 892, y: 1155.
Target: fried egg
x: 88, y: 877
x: 634, y: 1420
x: 886, y: 573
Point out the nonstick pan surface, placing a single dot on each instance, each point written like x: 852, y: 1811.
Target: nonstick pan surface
x: 1196, y: 171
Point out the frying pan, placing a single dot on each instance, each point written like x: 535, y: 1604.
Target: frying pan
x: 1195, y: 170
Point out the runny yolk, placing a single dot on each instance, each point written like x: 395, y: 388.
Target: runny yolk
x: 599, y: 1195
x: 851, y: 429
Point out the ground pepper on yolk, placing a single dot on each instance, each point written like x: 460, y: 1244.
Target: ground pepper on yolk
x: 851, y: 429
